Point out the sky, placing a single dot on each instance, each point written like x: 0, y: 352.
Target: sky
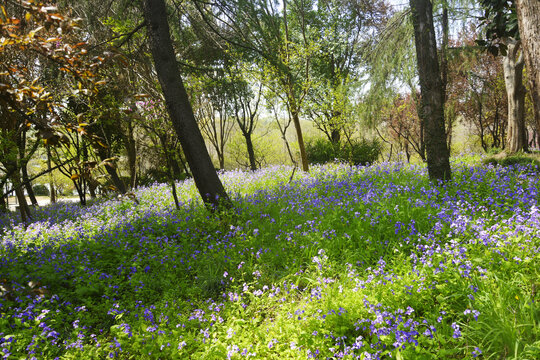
x: 399, y: 4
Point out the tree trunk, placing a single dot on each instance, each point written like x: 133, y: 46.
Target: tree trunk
x: 335, y: 136
x: 81, y: 190
x: 432, y: 94
x: 513, y: 78
x: 117, y: 181
x: 52, y: 190
x: 28, y: 184
x: 175, y: 167
x: 103, y: 155
x: 23, y: 163
x: 178, y: 106
x: 221, y: 159
x: 24, y: 209
x: 299, y: 137
x: 131, y: 156
x: 250, y: 150
x: 528, y: 12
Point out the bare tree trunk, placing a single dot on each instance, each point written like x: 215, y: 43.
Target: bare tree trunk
x: 432, y: 94
x: 221, y: 158
x: 178, y: 106
x: 250, y: 150
x: 299, y: 137
x: 293, y: 104
x: 131, y: 156
x: 528, y: 12
x: 513, y: 78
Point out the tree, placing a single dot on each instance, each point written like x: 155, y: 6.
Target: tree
x: 163, y: 139
x: 179, y: 107
x: 528, y: 13
x: 245, y: 108
x: 279, y: 39
x: 476, y: 90
x: 503, y: 37
x: 41, y: 37
x: 401, y: 117
x: 344, y: 30
x: 213, y: 100
x: 432, y: 93
x: 513, y: 64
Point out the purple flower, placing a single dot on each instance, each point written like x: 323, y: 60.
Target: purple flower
x: 457, y: 331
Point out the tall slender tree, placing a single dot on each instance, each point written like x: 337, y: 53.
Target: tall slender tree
x: 179, y: 107
x: 431, y: 89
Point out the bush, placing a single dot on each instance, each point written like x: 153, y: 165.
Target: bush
x: 321, y: 151
x: 361, y: 152
x: 40, y: 190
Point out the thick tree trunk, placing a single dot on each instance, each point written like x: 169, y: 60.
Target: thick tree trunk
x: 178, y: 106
x: 432, y: 94
x: 513, y: 78
x: 335, y: 136
x: 251, y: 151
x: 528, y: 12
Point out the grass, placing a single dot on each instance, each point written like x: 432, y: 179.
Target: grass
x: 344, y: 262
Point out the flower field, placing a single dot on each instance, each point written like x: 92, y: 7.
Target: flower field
x: 341, y: 263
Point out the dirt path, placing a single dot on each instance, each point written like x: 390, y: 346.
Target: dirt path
x: 42, y: 201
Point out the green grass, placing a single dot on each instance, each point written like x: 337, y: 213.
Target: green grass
x: 343, y: 262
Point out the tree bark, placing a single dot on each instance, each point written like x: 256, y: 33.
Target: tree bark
x: 52, y: 190
x: 117, y: 181
x: 23, y: 163
x: 513, y: 78
x: 24, y: 209
x: 250, y: 150
x: 28, y: 184
x: 131, y: 155
x: 299, y: 137
x: 179, y: 107
x: 528, y: 12
x: 432, y: 94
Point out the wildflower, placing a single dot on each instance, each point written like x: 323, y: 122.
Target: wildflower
x: 457, y: 331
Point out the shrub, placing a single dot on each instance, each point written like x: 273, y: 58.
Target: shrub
x: 355, y: 152
x: 40, y: 190
x: 361, y: 152
x: 321, y: 151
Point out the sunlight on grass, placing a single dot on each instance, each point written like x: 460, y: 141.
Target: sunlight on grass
x: 344, y: 262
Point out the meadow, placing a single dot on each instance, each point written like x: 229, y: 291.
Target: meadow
x: 345, y: 262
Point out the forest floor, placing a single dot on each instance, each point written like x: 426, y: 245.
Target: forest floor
x: 340, y: 263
